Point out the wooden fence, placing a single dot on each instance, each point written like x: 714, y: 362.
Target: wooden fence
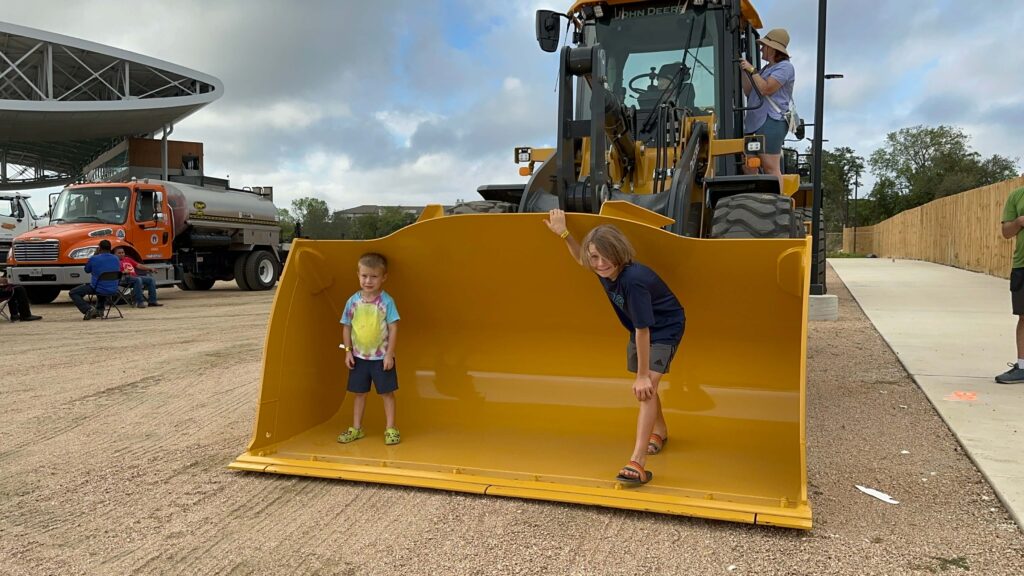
x: 962, y: 230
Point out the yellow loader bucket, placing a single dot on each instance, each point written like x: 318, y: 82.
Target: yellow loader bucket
x: 512, y: 370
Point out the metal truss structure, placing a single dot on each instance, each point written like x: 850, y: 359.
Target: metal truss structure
x: 65, y: 101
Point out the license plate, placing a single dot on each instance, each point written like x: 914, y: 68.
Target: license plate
x: 35, y: 271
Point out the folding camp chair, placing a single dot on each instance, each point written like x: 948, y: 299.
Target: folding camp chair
x: 5, y: 305
x: 109, y: 298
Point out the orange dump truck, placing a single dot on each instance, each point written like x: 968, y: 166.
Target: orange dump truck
x: 190, y: 236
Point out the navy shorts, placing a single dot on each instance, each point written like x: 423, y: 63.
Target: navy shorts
x: 774, y: 132
x: 1017, y: 290
x: 661, y: 356
x: 359, y: 378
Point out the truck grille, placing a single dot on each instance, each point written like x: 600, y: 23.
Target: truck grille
x: 47, y: 251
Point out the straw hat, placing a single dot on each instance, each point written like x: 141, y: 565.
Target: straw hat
x: 776, y: 38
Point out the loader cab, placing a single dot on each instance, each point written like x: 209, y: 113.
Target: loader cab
x: 658, y: 56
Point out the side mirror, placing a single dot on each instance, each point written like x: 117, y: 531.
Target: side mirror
x: 800, y: 130
x: 547, y: 30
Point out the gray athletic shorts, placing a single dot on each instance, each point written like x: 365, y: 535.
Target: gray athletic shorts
x: 1017, y: 290
x: 661, y: 357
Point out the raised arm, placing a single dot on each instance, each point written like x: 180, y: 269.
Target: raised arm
x: 556, y: 223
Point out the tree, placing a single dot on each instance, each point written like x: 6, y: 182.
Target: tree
x: 841, y: 170
x: 389, y: 220
x: 314, y: 215
x: 287, y: 222
x: 920, y: 164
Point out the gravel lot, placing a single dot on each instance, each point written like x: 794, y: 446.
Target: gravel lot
x: 115, y: 436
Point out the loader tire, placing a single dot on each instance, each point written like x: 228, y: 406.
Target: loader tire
x: 482, y: 207
x: 240, y: 279
x: 190, y: 282
x: 42, y: 294
x: 756, y: 215
x: 808, y: 216
x: 261, y: 270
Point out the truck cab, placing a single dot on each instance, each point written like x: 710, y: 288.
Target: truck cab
x: 130, y: 215
x: 16, y: 217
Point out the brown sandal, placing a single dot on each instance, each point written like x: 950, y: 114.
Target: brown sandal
x: 634, y: 473
x: 656, y: 443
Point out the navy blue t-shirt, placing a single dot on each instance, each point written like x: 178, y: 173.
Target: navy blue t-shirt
x: 643, y: 300
x: 100, y: 263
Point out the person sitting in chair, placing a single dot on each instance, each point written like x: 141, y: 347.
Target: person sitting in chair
x: 130, y: 276
x: 99, y: 263
x: 18, y: 304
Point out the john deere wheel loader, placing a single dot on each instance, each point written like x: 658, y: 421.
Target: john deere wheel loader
x: 511, y: 365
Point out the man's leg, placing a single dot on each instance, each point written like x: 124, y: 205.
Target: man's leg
x: 150, y: 284
x: 1020, y: 337
x: 78, y: 294
x: 21, y: 306
x: 137, y: 289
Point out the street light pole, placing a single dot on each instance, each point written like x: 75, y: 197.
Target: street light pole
x: 818, y: 276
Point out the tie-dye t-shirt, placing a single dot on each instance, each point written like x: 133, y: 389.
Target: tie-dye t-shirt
x: 369, y: 322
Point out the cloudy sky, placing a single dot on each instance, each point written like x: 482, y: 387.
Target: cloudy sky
x: 401, y: 102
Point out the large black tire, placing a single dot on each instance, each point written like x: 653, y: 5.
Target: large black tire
x: 756, y: 215
x: 261, y: 270
x: 190, y: 282
x: 243, y: 284
x: 807, y: 215
x: 41, y: 294
x: 482, y: 207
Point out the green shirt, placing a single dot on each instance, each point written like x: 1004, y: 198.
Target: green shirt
x: 1014, y: 208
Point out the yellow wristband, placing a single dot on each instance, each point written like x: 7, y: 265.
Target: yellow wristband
x: 564, y: 235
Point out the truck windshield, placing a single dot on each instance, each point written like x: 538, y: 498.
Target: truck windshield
x: 105, y: 205
x: 654, y: 50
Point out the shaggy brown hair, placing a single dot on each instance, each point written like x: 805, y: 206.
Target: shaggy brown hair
x: 609, y: 242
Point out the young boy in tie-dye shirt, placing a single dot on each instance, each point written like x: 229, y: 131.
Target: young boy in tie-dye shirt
x: 370, y: 321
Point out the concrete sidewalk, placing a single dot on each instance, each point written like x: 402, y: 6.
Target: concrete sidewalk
x: 953, y: 331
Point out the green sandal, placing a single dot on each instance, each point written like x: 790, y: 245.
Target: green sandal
x: 350, y: 435
x: 392, y: 437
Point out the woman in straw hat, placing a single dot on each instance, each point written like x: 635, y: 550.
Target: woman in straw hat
x: 775, y: 81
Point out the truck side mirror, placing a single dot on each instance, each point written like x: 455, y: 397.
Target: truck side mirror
x: 547, y: 30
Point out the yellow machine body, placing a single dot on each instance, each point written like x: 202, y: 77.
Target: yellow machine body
x: 512, y: 369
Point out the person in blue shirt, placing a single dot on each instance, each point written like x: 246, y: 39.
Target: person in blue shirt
x: 775, y: 81
x: 100, y: 262
x: 652, y: 314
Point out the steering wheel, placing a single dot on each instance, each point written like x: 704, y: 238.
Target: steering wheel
x: 653, y: 76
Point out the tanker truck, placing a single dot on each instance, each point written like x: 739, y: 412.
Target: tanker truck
x: 190, y: 236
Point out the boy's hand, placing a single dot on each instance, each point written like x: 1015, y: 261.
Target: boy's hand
x: 643, y: 389
x: 556, y: 221
x: 389, y: 361
x: 350, y: 360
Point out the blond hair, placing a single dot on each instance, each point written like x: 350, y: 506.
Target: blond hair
x: 610, y: 243
x: 374, y: 260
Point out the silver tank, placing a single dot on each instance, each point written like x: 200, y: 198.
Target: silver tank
x: 189, y: 203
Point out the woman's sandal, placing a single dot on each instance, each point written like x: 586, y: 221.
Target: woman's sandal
x: 634, y: 473
x: 656, y: 443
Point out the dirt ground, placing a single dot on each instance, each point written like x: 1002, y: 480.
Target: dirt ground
x: 115, y: 436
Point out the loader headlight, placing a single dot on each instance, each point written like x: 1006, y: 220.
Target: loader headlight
x: 523, y: 154
x: 753, y: 144
x: 82, y: 253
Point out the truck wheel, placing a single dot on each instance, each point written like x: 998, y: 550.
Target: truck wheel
x: 243, y: 284
x: 756, y: 216
x: 261, y: 270
x: 190, y: 282
x: 41, y: 294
